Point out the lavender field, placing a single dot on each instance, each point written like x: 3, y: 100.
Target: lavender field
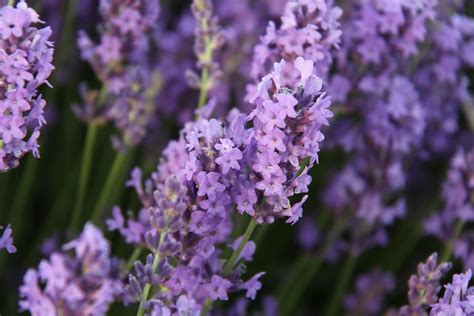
x: 233, y: 158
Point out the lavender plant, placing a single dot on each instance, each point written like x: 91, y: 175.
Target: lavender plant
x: 224, y: 109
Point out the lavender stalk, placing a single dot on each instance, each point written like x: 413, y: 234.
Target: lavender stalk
x: 208, y: 38
x: 235, y: 255
x: 91, y: 137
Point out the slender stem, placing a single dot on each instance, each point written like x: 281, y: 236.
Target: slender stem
x: 87, y: 155
x: 448, y: 249
x: 332, y: 308
x: 233, y: 259
x: 135, y: 254
x: 300, y: 277
x: 235, y: 255
x: 11, y: 3
x: 21, y: 197
x: 205, y: 58
x: 147, y: 288
x: 204, y: 87
x: 68, y: 27
x: 304, y: 271
x: 111, y: 182
x: 19, y: 204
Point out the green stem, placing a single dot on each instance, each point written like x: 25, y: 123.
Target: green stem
x: 11, y: 3
x: 21, y: 197
x: 135, y: 254
x: 299, y: 279
x: 206, y: 58
x: 204, y: 87
x: 304, y: 271
x: 235, y: 255
x: 147, y: 288
x: 87, y: 155
x: 17, y: 214
x: 342, y: 284
x: 111, y: 182
x: 406, y: 231
x: 5, y: 181
x: 68, y: 27
x: 230, y: 264
x: 448, y: 249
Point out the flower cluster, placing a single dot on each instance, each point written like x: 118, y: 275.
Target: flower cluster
x: 6, y: 241
x: 216, y: 167
x: 287, y: 131
x: 25, y: 64
x: 122, y: 62
x: 378, y: 28
x: 309, y: 29
x: 386, y: 107
x: 208, y: 39
x: 442, y: 84
x: 84, y: 283
x: 184, y: 240
x: 424, y: 287
x: 234, y: 57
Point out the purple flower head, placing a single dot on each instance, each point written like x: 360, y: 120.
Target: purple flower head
x: 26, y: 63
x: 288, y: 147
x: 85, y: 282
x: 123, y: 63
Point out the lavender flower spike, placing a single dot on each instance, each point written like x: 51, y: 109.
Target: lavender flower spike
x: 122, y: 60
x: 209, y: 37
x: 83, y: 283
x: 25, y: 64
x: 6, y: 241
x: 423, y: 287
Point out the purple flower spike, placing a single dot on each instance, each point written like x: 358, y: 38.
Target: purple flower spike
x: 26, y: 56
x: 84, y: 282
x: 123, y: 62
